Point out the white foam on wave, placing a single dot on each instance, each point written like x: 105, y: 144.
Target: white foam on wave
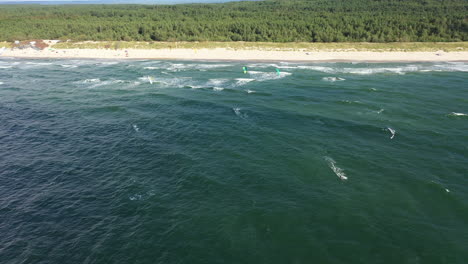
x: 175, y: 67
x: 6, y: 67
x: 243, y: 81
x: 218, y: 89
x: 151, y: 68
x: 98, y: 82
x: 264, y: 76
x: 250, y: 91
x: 149, y: 79
x: 39, y: 63
x: 109, y: 62
x: 92, y: 80
x: 142, y: 196
x: 238, y: 113
x: 318, y: 68
x: 210, y: 66
x: 350, y: 102
x: 368, y: 70
x: 1, y: 83
x: 392, y: 131
x: 169, y: 82
x: 338, y: 171
x: 332, y: 79
x: 102, y: 83
x: 280, y: 65
x: 68, y: 66
x: 261, y: 65
x: 135, y: 197
x: 452, y: 66
x: 136, y: 128
x: 216, y: 82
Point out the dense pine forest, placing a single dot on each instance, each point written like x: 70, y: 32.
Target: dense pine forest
x: 269, y: 20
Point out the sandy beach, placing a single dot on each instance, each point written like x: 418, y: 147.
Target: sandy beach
x: 238, y: 55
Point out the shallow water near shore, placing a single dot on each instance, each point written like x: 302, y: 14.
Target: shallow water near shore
x: 106, y: 161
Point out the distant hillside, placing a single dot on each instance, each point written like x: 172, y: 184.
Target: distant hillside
x: 269, y: 20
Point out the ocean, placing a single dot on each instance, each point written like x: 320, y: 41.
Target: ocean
x: 108, y: 161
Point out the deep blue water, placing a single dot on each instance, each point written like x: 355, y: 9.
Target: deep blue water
x: 323, y: 163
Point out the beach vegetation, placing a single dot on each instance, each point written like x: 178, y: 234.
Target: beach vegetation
x: 376, y: 21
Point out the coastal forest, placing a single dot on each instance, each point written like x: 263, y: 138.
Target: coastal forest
x: 266, y: 21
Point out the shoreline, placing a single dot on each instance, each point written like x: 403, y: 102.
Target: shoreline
x: 230, y: 60
x: 223, y: 54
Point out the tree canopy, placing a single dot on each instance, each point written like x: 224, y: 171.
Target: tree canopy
x: 269, y: 20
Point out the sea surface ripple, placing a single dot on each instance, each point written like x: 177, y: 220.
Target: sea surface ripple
x: 108, y: 161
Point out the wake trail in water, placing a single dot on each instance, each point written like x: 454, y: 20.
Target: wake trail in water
x: 457, y: 114
x: 392, y: 131
x: 338, y: 171
x: 238, y: 113
x: 332, y: 79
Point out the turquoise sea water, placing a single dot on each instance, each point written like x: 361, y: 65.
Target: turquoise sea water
x: 211, y: 165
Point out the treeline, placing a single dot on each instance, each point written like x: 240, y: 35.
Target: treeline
x: 269, y: 20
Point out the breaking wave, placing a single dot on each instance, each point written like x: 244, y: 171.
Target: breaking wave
x: 68, y: 66
x: 216, y: 82
x: 446, y: 67
x: 243, y: 81
x: 264, y: 76
x: 175, y: 67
